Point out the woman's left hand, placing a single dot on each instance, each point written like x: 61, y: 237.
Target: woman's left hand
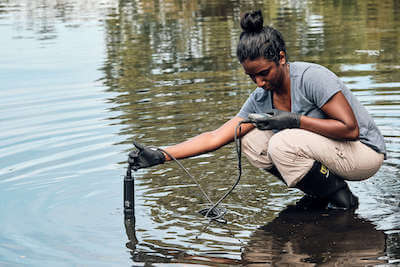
x: 278, y: 120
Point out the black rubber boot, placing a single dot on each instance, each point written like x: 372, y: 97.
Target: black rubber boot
x: 274, y: 171
x: 328, y: 187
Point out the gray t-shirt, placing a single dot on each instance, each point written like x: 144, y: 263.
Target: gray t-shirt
x: 312, y: 86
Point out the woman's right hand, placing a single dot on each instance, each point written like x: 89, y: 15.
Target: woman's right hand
x: 143, y: 157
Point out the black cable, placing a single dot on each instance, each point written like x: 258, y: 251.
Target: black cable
x: 188, y: 173
x: 238, y: 145
x: 214, y: 212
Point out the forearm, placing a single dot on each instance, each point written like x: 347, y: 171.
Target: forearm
x: 197, y: 145
x: 208, y: 141
x: 330, y: 128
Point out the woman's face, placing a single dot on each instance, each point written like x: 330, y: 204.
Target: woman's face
x: 266, y: 74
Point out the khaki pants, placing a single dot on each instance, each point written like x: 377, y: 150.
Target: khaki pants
x: 293, y: 152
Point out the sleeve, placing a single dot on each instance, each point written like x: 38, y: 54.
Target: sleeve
x: 320, y: 84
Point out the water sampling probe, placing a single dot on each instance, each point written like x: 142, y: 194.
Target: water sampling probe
x: 212, y: 211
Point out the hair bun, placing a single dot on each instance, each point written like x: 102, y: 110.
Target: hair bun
x: 252, y: 21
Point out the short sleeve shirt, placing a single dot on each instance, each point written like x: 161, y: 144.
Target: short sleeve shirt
x: 312, y: 86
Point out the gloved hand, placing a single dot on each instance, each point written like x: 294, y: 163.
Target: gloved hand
x: 276, y: 119
x: 144, y: 157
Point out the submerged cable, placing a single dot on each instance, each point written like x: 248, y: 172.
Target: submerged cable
x: 188, y: 173
x: 214, y: 212
x: 238, y: 147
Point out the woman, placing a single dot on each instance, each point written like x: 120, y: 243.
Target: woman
x: 309, y: 129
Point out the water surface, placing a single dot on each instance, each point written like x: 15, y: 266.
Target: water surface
x: 82, y: 79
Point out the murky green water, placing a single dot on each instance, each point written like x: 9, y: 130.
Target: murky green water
x: 81, y: 79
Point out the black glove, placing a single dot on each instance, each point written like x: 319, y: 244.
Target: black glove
x: 276, y: 119
x: 144, y: 157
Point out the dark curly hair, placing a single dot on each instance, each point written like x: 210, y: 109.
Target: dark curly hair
x: 257, y: 40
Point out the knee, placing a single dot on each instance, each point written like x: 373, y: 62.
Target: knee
x: 253, y: 143
x: 247, y: 146
x: 246, y: 143
x: 281, y: 143
x: 254, y: 147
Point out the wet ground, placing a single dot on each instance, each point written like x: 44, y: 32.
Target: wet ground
x: 81, y: 79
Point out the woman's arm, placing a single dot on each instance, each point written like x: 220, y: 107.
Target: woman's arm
x: 208, y: 141
x: 341, y: 125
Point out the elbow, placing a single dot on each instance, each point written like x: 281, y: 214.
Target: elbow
x: 353, y: 133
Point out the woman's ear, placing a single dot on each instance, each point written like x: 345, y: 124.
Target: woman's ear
x: 282, y: 58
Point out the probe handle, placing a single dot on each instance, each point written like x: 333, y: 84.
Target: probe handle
x: 129, y: 195
x: 254, y: 117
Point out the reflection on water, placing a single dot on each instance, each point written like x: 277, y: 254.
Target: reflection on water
x: 82, y: 79
x: 295, y: 237
x: 305, y: 237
